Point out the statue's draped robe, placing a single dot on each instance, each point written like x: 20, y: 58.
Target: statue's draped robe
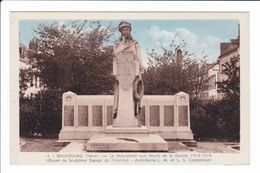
x: 126, y: 67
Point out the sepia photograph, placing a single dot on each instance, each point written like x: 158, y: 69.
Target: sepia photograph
x: 130, y: 88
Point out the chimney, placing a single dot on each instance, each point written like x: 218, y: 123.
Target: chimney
x: 223, y: 48
x: 179, y: 57
x: 238, y: 32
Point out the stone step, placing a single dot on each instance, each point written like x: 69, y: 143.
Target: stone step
x: 127, y: 130
x: 151, y: 142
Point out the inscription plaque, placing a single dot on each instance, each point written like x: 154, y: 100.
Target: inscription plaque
x: 142, y: 116
x: 68, y: 115
x: 97, y: 115
x: 109, y: 115
x: 154, y: 116
x: 83, y: 115
x: 183, y: 115
x: 169, y: 115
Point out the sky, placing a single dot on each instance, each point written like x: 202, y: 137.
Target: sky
x: 203, y: 37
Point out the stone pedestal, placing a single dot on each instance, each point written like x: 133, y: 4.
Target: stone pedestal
x: 125, y: 134
x: 125, y: 116
x: 126, y: 73
x: 127, y: 139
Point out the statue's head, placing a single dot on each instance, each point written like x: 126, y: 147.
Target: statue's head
x: 125, y: 29
x: 124, y: 24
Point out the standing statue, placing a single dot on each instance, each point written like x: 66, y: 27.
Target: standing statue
x: 127, y: 68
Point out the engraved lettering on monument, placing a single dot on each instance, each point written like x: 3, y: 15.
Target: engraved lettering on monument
x: 154, y: 115
x: 68, y: 115
x: 142, y: 116
x: 109, y: 115
x: 97, y: 115
x: 169, y: 115
x: 83, y: 115
x: 183, y: 115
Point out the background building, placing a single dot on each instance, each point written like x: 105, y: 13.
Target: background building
x: 34, y: 84
x: 227, y: 51
x: 213, y: 73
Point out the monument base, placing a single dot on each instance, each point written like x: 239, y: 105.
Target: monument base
x: 125, y: 131
x: 151, y: 142
x: 127, y: 139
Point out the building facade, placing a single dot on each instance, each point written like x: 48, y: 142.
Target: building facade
x: 33, y: 83
x: 214, y: 72
x: 228, y: 51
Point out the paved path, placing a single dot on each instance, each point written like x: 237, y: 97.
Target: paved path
x: 214, y: 147
x: 77, y: 146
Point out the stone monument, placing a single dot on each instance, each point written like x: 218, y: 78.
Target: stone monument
x: 126, y: 133
x: 127, y: 120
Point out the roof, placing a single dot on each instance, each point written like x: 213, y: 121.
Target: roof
x: 228, y: 53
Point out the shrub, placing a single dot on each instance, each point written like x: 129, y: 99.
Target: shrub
x: 41, y: 115
x: 216, y: 120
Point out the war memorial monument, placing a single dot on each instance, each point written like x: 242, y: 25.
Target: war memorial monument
x: 129, y: 120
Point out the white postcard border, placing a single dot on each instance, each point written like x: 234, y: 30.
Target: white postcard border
x: 17, y: 7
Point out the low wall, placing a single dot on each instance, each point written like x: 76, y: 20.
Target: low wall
x: 86, y: 115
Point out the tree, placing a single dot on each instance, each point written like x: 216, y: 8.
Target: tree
x: 24, y: 79
x: 231, y: 100
x: 74, y: 57
x: 167, y: 74
x: 69, y: 57
x: 231, y: 86
x: 221, y: 118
